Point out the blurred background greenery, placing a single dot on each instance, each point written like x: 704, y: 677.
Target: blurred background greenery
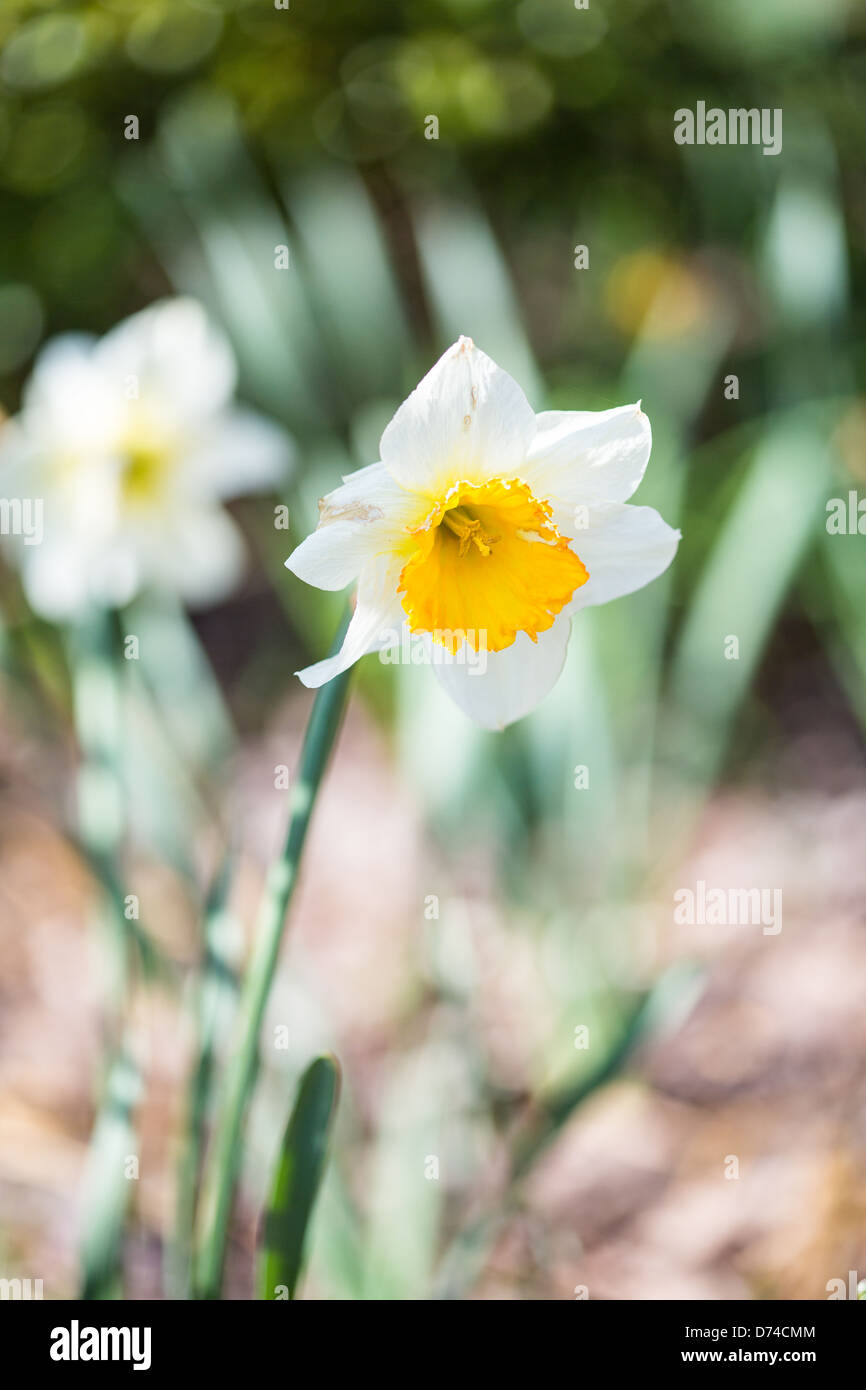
x: 465, y: 907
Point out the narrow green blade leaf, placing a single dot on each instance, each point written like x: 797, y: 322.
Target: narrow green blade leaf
x: 107, y: 1187
x: 213, y: 1010
x: 296, y: 1179
x: 745, y: 581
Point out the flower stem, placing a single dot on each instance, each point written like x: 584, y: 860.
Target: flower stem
x: 100, y: 794
x: 98, y: 711
x: 224, y: 1160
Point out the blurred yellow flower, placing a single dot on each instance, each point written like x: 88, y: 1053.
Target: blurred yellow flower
x: 655, y: 294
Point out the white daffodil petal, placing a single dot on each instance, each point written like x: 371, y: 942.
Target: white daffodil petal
x: 376, y: 617
x: 587, y: 456
x: 467, y: 420
x: 623, y: 548
x: 367, y: 515
x: 370, y: 496
x: 201, y: 556
x: 173, y: 357
x: 361, y: 484
x: 240, y: 452
x: 583, y: 457
x: 331, y: 557
x: 61, y: 579
x: 496, y: 688
x: 69, y: 407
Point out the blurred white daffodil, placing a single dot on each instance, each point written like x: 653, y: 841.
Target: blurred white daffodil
x: 130, y: 443
x: 483, y: 529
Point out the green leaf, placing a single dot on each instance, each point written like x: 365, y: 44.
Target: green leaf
x: 107, y: 1187
x: 213, y: 1008
x: 296, y: 1179
x: 774, y: 522
x: 833, y: 591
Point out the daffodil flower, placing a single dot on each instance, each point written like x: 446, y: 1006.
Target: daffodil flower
x: 130, y: 443
x: 486, y: 526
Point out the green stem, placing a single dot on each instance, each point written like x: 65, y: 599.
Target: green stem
x: 224, y: 1160
x: 101, y: 801
x: 97, y: 701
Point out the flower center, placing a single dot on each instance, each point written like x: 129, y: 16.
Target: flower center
x: 144, y: 470
x: 147, y: 451
x: 468, y: 530
x: 487, y: 563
